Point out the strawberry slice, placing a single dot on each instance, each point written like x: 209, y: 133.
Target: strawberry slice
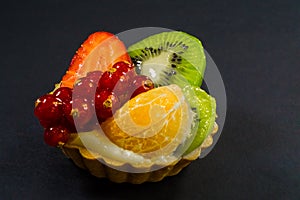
x: 99, y: 52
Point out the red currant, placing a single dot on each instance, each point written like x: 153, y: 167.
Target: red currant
x: 109, y: 79
x: 122, y: 84
x: 64, y: 94
x: 67, y: 112
x: 123, y: 67
x: 85, y: 88
x: 94, y: 76
x: 55, y: 135
x: 122, y: 88
x: 82, y: 112
x: 106, y: 103
x: 48, y: 110
x: 141, y: 84
x: 69, y: 124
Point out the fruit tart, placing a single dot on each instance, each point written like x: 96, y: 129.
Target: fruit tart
x: 131, y: 115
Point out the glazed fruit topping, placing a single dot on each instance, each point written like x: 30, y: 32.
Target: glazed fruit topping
x: 82, y: 112
x: 85, y: 88
x: 64, y: 94
x: 94, y: 76
x: 106, y: 102
x: 109, y: 79
x: 123, y: 67
x: 72, y: 110
x: 103, y: 45
x: 141, y: 84
x: 55, y: 135
x: 48, y: 109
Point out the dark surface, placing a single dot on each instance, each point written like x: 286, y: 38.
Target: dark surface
x: 256, y: 47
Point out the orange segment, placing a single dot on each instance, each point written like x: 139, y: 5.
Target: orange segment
x: 99, y: 52
x: 157, y: 120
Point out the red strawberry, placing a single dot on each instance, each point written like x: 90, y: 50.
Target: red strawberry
x: 99, y: 52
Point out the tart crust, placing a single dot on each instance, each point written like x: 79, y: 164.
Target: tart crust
x: 83, y: 159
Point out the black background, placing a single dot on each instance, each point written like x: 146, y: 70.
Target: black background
x: 256, y: 47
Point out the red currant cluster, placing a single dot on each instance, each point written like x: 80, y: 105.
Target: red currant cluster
x: 103, y: 92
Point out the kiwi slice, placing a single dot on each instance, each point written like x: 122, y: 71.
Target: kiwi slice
x: 170, y: 57
x: 204, y: 107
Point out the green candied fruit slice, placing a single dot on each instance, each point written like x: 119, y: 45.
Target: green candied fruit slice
x: 204, y: 106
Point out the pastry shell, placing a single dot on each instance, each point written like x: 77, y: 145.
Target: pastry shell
x: 85, y: 160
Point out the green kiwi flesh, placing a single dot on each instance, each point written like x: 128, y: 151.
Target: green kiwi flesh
x: 204, y: 107
x: 170, y: 57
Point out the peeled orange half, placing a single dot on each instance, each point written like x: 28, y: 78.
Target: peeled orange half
x: 158, y: 120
